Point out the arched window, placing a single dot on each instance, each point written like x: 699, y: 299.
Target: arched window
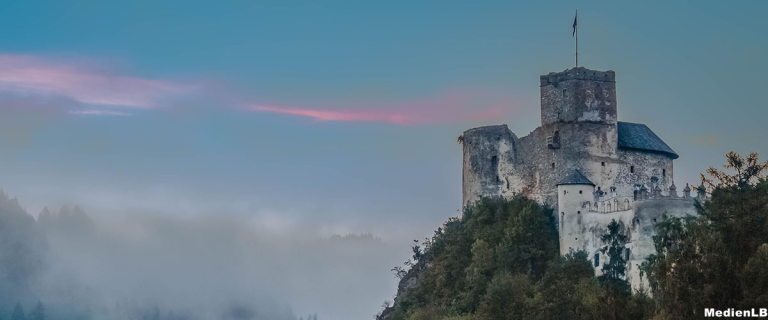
x: 616, y: 204
x: 556, y: 138
x: 626, y: 204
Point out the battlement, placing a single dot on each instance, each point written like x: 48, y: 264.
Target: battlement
x: 578, y: 73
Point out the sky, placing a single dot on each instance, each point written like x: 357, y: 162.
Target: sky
x: 337, y: 114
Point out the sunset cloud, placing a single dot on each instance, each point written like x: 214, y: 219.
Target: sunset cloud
x: 451, y: 107
x: 31, y: 75
x: 83, y: 87
x: 96, y: 112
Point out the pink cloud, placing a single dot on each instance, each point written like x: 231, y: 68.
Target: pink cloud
x: 103, y: 92
x: 343, y: 115
x: 30, y: 75
x: 451, y: 107
x: 97, y: 112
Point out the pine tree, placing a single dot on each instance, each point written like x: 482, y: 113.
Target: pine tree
x: 38, y: 313
x: 18, y: 313
x: 616, y: 267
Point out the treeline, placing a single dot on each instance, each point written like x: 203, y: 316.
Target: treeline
x: 37, y: 313
x: 33, y: 288
x: 501, y: 261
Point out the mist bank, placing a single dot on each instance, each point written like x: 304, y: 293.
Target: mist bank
x: 139, y: 265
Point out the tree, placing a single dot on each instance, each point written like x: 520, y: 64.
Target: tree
x: 754, y: 279
x: 508, y: 297
x: 482, y: 263
x: 18, y: 313
x: 569, y: 290
x: 38, y: 312
x: 617, y: 291
x: 715, y: 260
x: 616, y: 266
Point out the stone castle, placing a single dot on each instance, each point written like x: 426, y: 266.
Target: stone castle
x: 583, y: 162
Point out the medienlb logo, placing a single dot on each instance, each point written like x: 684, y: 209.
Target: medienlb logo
x: 731, y: 312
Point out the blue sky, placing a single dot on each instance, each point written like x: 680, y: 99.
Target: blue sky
x: 234, y: 107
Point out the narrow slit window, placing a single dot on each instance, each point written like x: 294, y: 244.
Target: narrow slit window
x: 597, y: 259
x: 632, y: 169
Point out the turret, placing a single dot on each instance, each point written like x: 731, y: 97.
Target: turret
x: 673, y: 191
x: 574, y: 198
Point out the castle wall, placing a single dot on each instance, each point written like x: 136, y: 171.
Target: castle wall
x: 583, y: 231
x: 525, y: 165
x: 573, y: 206
x: 538, y: 168
x: 647, y: 213
x: 647, y: 166
x: 592, y: 227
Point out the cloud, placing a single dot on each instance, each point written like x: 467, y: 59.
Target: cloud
x: 91, y: 90
x: 454, y: 106
x: 96, y: 112
x: 31, y: 75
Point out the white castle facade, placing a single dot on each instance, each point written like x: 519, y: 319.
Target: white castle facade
x: 583, y: 162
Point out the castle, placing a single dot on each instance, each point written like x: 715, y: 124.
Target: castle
x: 585, y: 163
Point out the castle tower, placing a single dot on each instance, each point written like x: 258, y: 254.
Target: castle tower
x: 574, y: 198
x: 578, y: 117
x: 578, y: 95
x: 487, y: 150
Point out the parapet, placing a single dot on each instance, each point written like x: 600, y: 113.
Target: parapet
x: 578, y: 73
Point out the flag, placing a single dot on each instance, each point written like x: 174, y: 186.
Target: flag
x: 574, y: 26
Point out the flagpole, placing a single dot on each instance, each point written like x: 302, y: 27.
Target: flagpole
x: 577, y: 38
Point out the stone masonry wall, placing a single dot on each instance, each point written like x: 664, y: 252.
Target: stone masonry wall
x: 578, y: 94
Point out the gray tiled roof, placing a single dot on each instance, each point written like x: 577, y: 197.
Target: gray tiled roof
x: 639, y: 137
x: 575, y: 177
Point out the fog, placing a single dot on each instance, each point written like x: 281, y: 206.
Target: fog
x: 142, y: 265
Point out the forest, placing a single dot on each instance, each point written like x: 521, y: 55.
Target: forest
x: 67, y: 264
x: 501, y: 260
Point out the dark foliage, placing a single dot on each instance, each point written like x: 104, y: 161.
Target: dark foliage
x: 501, y: 261
x: 718, y: 259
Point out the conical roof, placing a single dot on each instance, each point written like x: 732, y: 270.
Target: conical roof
x: 575, y: 177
